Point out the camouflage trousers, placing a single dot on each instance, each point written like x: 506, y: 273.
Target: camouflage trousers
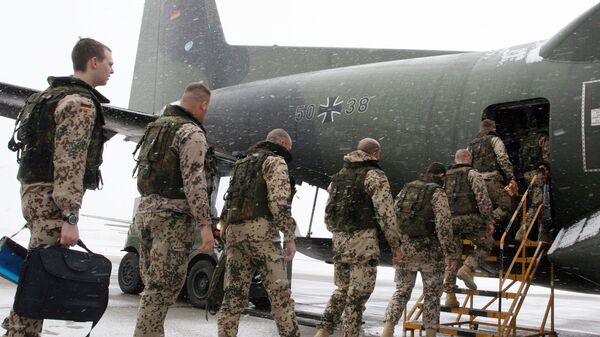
x: 44, y: 220
x: 536, y: 194
x: 165, y: 241
x: 432, y: 291
x: 355, y: 283
x: 501, y: 201
x: 267, y: 258
x: 469, y: 227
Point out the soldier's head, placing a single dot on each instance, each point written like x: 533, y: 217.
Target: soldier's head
x: 463, y: 156
x: 92, y: 62
x: 437, y: 169
x: 195, y: 99
x: 370, y: 146
x: 487, y: 125
x: 281, y: 137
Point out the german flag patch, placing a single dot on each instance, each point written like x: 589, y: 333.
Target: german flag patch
x: 86, y: 106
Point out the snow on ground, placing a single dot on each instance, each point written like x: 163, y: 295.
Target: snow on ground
x: 576, y: 314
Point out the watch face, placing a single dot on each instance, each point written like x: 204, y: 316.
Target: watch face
x: 72, y: 219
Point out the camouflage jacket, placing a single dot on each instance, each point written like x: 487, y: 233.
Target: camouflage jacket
x: 484, y: 203
x: 75, y: 115
x: 275, y: 173
x: 190, y: 144
x: 428, y: 254
x: 364, y: 244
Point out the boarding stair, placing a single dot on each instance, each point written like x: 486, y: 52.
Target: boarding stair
x: 494, y: 313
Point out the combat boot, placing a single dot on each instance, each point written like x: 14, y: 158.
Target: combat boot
x: 466, y: 275
x: 322, y: 333
x: 521, y: 233
x: 388, y: 329
x: 430, y: 333
x: 451, y: 300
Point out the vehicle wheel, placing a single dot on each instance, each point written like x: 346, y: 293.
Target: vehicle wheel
x: 130, y: 280
x: 198, y: 282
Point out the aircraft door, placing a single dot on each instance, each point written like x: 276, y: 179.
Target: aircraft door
x: 590, y: 126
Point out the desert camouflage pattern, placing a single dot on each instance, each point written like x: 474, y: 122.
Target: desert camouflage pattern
x: 472, y: 227
x: 537, y: 192
x: 502, y: 157
x: 243, y: 259
x: 432, y: 291
x: 357, y: 255
x: 428, y: 255
x: 355, y: 271
x: 75, y: 116
x: 275, y: 173
x: 495, y: 183
x: 45, y: 204
x: 165, y: 241
x: 255, y: 245
x: 190, y: 143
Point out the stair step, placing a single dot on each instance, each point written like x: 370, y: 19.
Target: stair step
x: 529, y: 243
x: 512, y: 276
x: 487, y: 293
x: 451, y: 330
x: 471, y: 312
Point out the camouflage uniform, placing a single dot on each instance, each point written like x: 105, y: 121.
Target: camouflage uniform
x: 166, y: 230
x: 45, y: 204
x: 537, y: 192
x: 501, y: 201
x: 357, y: 254
x: 472, y: 227
x: 428, y: 255
x: 255, y: 245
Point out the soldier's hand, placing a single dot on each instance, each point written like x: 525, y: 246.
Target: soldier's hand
x: 290, y: 250
x: 452, y: 265
x: 514, y: 187
x: 69, y: 234
x: 396, y: 257
x: 490, y: 230
x: 208, y: 240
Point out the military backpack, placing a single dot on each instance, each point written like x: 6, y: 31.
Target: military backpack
x: 414, y: 210
x: 35, y: 129
x: 530, y: 153
x: 482, y: 150
x: 350, y: 207
x: 458, y: 189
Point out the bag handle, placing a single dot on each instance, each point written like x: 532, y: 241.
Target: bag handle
x: 19, y: 231
x: 82, y: 245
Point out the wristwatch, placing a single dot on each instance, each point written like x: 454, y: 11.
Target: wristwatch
x: 71, y: 219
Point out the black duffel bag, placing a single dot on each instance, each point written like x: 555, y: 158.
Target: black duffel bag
x: 64, y: 284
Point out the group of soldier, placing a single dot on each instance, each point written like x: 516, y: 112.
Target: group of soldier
x: 424, y: 225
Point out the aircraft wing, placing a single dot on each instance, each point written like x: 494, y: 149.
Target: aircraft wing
x: 127, y: 122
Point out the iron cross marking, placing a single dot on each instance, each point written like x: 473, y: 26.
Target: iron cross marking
x: 333, y: 107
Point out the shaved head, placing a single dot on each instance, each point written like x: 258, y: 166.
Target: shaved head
x: 487, y: 125
x: 195, y: 93
x: 281, y: 137
x: 463, y: 156
x: 368, y: 145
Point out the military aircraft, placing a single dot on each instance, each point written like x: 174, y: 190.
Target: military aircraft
x: 421, y: 106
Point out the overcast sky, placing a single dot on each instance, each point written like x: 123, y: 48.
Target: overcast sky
x: 37, y: 38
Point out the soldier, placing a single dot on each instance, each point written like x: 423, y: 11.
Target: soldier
x: 427, y: 246
x: 471, y: 211
x: 360, y: 202
x: 172, y: 181
x: 490, y: 159
x: 258, y: 207
x: 534, y: 159
x: 59, y: 148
